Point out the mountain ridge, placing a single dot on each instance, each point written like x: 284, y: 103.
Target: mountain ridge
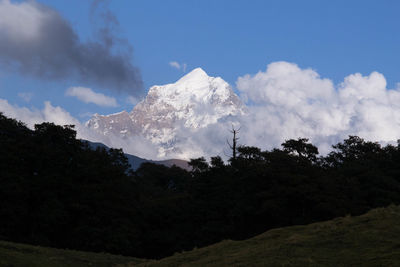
x: 135, y: 162
x: 169, y: 111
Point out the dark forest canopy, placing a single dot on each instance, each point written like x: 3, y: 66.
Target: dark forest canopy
x: 56, y: 191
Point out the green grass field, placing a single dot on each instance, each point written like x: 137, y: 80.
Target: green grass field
x: 372, y: 239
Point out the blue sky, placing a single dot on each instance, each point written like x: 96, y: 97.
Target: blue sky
x: 227, y: 39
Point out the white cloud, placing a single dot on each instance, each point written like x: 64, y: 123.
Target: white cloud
x: 178, y: 66
x: 31, y: 117
x: 87, y: 95
x: 49, y: 113
x: 136, y: 145
x: 286, y: 102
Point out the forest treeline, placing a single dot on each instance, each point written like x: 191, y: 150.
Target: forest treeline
x: 56, y: 191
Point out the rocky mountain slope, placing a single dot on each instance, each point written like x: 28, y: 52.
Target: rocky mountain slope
x: 171, y: 112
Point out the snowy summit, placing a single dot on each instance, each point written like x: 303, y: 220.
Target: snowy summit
x: 193, y: 102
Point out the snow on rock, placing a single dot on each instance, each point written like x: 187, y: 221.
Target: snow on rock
x: 193, y: 102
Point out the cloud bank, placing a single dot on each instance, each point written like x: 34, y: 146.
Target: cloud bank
x: 36, y: 40
x: 31, y: 117
x: 286, y: 101
x: 87, y: 95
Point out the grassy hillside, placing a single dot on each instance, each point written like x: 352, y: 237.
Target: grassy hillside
x: 368, y: 240
x: 19, y: 255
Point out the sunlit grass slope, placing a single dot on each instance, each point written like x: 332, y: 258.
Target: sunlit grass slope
x: 372, y: 239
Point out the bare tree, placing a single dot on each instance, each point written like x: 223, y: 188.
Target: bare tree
x: 233, y: 146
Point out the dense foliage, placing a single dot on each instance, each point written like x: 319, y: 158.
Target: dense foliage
x: 56, y: 191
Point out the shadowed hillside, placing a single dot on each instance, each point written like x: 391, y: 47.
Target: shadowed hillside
x: 367, y: 240
x: 21, y: 255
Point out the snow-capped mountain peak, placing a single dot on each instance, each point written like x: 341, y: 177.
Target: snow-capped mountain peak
x: 196, y: 75
x: 193, y: 102
x: 196, y: 86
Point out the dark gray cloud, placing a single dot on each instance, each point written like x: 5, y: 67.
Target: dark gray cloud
x: 36, y: 40
x: 107, y: 24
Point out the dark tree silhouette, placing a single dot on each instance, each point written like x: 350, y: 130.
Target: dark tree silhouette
x: 56, y: 191
x: 302, y: 148
x: 234, y: 144
x: 199, y: 164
